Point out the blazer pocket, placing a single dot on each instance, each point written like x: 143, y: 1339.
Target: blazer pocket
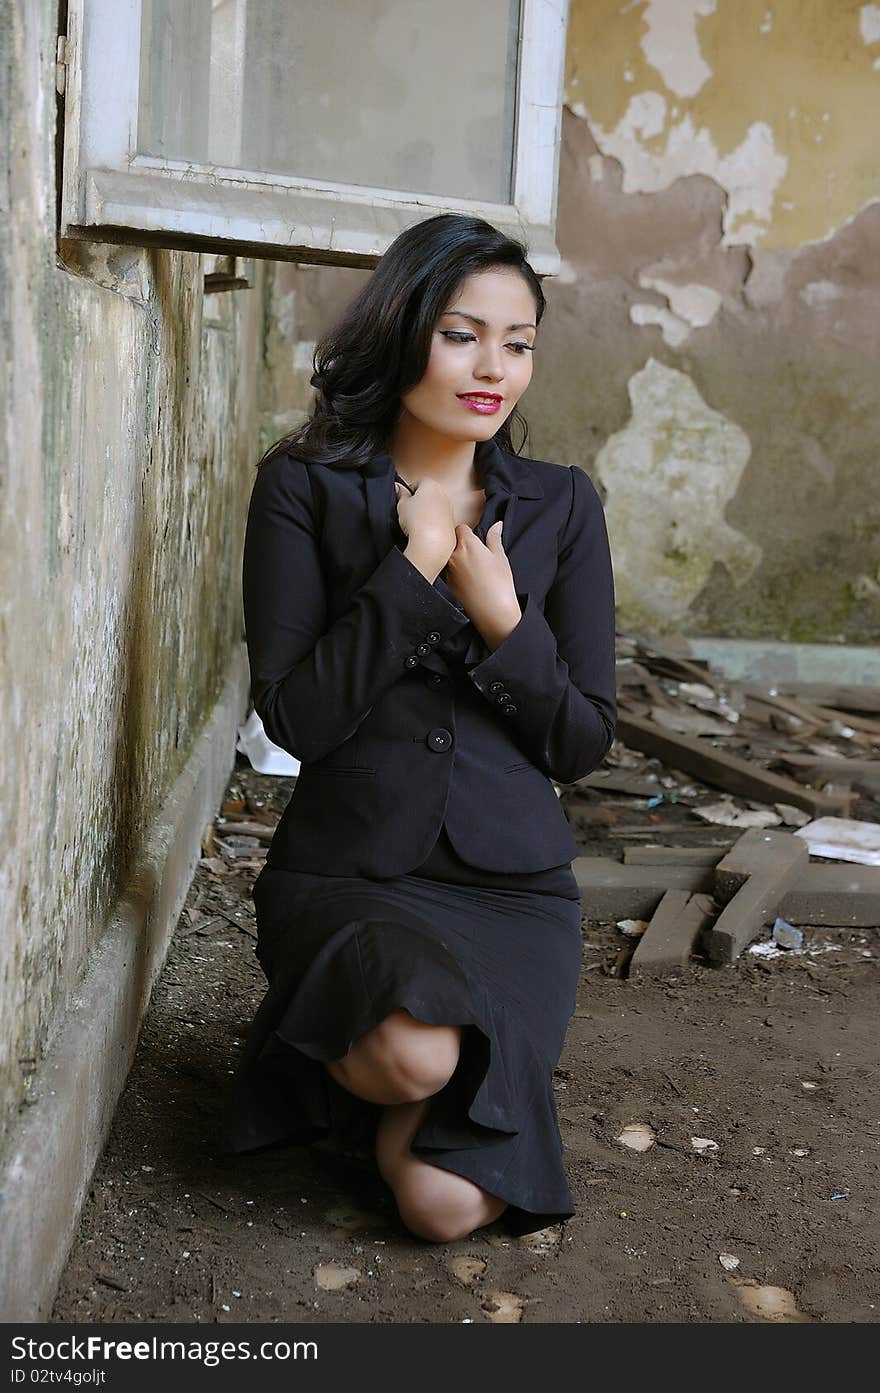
x: 515, y: 768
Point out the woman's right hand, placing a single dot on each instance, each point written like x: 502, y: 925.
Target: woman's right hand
x: 426, y: 517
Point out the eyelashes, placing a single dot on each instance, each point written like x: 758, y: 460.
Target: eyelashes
x: 458, y: 337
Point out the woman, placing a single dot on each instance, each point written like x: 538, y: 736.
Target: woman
x: 430, y: 628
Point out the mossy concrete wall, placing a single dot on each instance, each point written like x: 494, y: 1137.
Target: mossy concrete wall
x: 712, y: 345
x: 129, y: 418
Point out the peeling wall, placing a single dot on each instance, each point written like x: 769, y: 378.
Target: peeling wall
x: 712, y: 348
x: 771, y: 98
x: 669, y: 475
x: 129, y: 410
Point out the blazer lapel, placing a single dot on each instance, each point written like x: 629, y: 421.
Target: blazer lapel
x: 381, y: 503
x: 386, y: 532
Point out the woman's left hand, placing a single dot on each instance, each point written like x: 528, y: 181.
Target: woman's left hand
x: 480, y: 578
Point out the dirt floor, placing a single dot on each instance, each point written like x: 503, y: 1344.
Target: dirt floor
x: 774, y: 1060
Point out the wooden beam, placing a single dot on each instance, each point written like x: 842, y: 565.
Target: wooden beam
x: 863, y: 774
x: 842, y: 696
x: 752, y: 879
x: 610, y: 890
x: 844, y: 895
x: 672, y: 855
x: 677, y: 924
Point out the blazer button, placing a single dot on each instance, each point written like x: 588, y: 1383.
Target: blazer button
x: 509, y: 709
x: 438, y: 739
x: 495, y: 687
x: 423, y: 649
x: 433, y: 636
x: 411, y: 661
x: 435, y: 679
x: 503, y: 698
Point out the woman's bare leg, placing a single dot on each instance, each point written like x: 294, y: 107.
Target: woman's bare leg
x: 399, y: 1061
x: 433, y: 1203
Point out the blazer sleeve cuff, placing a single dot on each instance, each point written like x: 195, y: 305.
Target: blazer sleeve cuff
x: 529, y: 685
x: 509, y: 668
x: 425, y: 616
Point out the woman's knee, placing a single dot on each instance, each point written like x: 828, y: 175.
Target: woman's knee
x: 401, y: 1059
x: 442, y: 1207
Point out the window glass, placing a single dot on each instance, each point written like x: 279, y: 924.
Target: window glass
x: 413, y: 95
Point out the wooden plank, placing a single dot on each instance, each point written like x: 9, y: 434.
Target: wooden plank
x: 784, y: 704
x: 809, y: 712
x: 769, y: 712
x: 713, y: 766
x: 677, y: 924
x: 751, y: 881
x: 841, y: 696
x: 614, y: 781
x: 611, y: 891
x: 845, y: 895
x: 672, y: 855
x: 634, y: 675
x: 661, y: 660
x: 863, y: 774
x: 866, y: 724
x: 839, y: 895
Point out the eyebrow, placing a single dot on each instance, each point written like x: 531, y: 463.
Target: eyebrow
x: 476, y: 320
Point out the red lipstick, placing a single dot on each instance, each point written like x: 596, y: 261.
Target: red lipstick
x: 486, y: 403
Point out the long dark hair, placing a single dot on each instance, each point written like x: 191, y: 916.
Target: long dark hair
x: 379, y: 348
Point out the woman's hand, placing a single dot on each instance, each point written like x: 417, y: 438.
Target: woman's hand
x: 427, y: 519
x: 480, y: 578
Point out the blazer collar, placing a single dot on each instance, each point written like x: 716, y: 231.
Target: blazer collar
x: 502, y: 471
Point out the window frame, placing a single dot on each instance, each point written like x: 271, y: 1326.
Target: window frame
x: 112, y: 194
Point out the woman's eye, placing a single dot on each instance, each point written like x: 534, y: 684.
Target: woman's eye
x: 457, y: 337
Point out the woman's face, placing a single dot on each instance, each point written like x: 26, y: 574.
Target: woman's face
x: 482, y: 343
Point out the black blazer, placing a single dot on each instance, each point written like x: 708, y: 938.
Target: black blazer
x: 345, y: 641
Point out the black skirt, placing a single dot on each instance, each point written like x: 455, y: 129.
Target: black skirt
x: 341, y: 953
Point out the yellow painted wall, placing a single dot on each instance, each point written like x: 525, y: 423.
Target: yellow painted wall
x: 779, y: 100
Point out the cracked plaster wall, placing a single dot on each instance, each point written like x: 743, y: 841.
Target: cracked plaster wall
x: 129, y: 409
x: 713, y: 345
x: 772, y: 98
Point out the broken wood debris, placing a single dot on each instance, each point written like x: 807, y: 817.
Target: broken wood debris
x: 751, y: 881
x: 610, y: 890
x: 262, y: 830
x: 786, y: 755
x: 808, y: 715
x: 824, y: 896
x: 862, y: 774
x: 659, y: 683
x: 847, y: 896
x: 672, y: 855
x: 674, y: 931
x: 728, y: 771
x: 852, y: 698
